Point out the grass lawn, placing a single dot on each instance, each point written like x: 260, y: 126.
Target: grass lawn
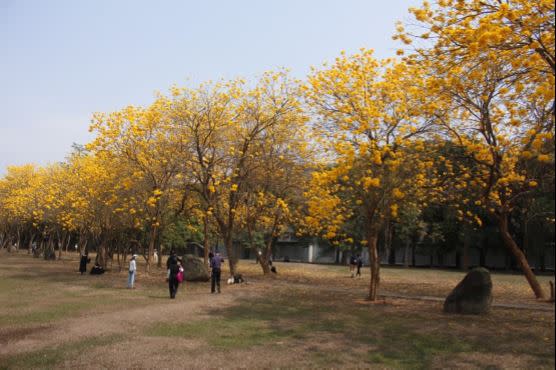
x: 306, y: 316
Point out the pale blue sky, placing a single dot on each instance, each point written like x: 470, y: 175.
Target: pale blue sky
x: 60, y: 61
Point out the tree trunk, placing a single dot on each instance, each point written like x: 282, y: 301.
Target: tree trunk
x: 18, y: 239
x: 60, y: 244
x: 413, y: 250
x: 268, y: 252
x: 68, y: 241
x: 118, y: 259
x: 406, y: 253
x: 31, y: 240
x: 102, y: 254
x: 265, y: 257
x: 519, y: 256
x: 205, y: 240
x: 83, y: 241
x: 374, y: 264
x: 264, y: 264
x: 228, y: 243
x: 150, y: 252
x: 49, y: 249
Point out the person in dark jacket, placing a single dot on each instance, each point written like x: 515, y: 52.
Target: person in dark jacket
x: 215, y: 265
x: 83, y: 263
x: 173, y: 269
x: 359, y: 265
x: 352, y: 265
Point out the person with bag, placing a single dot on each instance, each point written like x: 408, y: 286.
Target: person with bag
x: 180, y: 275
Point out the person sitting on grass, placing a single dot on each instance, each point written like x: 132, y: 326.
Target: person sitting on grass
x: 97, y: 269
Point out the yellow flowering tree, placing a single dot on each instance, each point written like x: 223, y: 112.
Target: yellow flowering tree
x: 271, y: 106
x: 201, y: 120
x: 139, y: 140
x: 367, y: 116
x: 491, y: 66
x: 274, y: 191
x: 17, y: 202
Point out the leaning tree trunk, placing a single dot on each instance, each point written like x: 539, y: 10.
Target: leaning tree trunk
x: 18, y: 239
x: 519, y: 256
x: 265, y: 257
x: 263, y: 260
x: 374, y: 263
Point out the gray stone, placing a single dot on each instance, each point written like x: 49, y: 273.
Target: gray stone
x: 194, y: 268
x: 473, y: 295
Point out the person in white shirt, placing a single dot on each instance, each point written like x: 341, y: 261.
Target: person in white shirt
x: 132, y: 270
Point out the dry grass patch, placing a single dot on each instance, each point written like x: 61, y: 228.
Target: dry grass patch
x: 507, y: 287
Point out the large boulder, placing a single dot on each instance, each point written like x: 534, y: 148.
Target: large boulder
x: 194, y: 268
x: 473, y: 295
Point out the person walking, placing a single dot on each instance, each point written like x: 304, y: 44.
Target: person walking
x: 173, y: 269
x: 132, y: 271
x: 215, y: 265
